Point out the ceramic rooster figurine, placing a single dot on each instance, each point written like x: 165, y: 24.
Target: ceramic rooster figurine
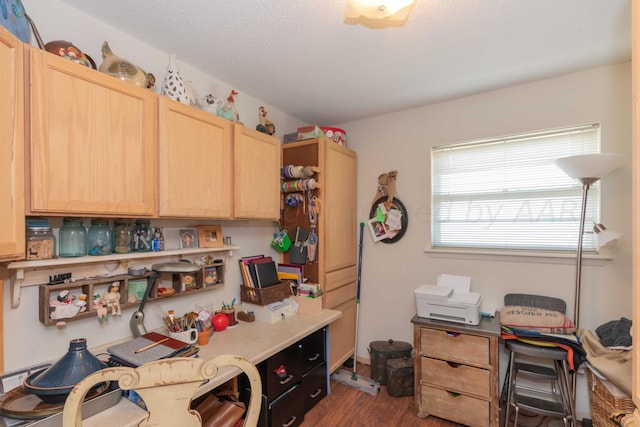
x: 228, y: 110
x: 175, y: 87
x: 123, y: 69
x: 265, y: 125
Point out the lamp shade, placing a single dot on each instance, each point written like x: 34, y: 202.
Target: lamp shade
x: 605, y: 236
x: 378, y: 13
x: 594, y: 166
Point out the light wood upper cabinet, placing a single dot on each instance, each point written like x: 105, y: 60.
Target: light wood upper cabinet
x: 93, y: 141
x: 12, y: 234
x: 256, y: 174
x: 195, y: 162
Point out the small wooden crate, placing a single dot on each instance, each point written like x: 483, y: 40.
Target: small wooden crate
x: 264, y: 296
x: 604, y: 402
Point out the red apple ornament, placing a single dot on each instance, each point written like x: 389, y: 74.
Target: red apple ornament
x: 220, y: 322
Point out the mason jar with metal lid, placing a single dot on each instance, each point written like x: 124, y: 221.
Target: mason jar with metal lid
x: 99, y: 237
x: 122, y: 236
x: 41, y: 243
x: 72, y: 238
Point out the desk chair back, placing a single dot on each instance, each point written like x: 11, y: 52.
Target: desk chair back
x: 167, y: 387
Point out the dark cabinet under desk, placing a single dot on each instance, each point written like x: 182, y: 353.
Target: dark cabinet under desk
x: 294, y: 380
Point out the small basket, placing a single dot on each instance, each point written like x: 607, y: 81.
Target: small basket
x: 264, y: 296
x: 604, y: 403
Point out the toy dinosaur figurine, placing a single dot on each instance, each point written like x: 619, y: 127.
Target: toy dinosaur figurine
x: 124, y: 69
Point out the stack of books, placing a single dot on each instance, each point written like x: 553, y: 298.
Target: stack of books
x: 259, y: 271
x: 148, y: 348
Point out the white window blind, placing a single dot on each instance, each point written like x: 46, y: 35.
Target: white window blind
x: 507, y: 193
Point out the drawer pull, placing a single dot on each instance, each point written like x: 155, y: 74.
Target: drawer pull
x: 453, y: 393
x: 452, y: 334
x: 314, y: 357
x: 291, y: 421
x: 453, y: 364
x: 286, y: 380
x: 316, y: 393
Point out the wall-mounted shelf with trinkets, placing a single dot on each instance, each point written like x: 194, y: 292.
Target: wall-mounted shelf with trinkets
x: 20, y: 268
x: 108, y: 296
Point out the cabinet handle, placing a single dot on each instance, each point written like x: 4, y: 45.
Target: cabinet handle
x: 291, y: 421
x: 286, y: 380
x: 316, y: 393
x: 452, y: 334
x: 453, y: 393
x: 314, y: 357
x: 453, y: 364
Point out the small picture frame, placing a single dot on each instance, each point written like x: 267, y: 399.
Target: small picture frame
x: 210, y: 236
x: 188, y: 238
x: 378, y: 229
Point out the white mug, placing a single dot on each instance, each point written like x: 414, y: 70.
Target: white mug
x: 190, y: 336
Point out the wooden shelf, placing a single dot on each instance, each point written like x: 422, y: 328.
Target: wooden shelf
x: 18, y: 268
x: 129, y: 297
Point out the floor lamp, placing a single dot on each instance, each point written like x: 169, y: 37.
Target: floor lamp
x: 588, y: 169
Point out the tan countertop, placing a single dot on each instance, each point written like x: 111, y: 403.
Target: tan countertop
x: 256, y: 341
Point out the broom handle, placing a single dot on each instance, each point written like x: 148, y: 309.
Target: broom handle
x: 360, y: 245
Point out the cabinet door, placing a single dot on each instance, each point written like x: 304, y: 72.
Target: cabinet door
x: 92, y: 143
x: 342, y: 335
x: 339, y: 207
x: 195, y: 162
x: 256, y: 174
x: 11, y: 147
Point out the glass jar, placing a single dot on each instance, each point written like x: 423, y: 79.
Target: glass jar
x: 99, y: 237
x: 122, y: 237
x: 142, y: 236
x: 41, y: 243
x: 72, y: 238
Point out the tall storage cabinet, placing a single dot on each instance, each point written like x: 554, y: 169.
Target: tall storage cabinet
x: 334, y: 267
x: 12, y: 237
x: 93, y: 141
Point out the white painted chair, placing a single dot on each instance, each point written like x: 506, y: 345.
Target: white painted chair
x: 167, y: 387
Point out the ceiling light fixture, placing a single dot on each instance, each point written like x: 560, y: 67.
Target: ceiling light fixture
x: 378, y: 13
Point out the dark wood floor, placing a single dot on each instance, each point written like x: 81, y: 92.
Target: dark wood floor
x: 349, y: 407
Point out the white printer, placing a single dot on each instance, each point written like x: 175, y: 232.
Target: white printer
x: 442, y: 303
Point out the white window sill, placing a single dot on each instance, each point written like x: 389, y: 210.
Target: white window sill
x: 590, y: 258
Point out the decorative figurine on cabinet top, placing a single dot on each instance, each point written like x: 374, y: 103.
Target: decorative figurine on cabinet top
x: 175, y: 87
x: 69, y: 51
x: 265, y: 125
x: 124, y: 69
x: 210, y: 104
x: 228, y: 110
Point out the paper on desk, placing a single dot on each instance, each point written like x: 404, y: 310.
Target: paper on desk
x: 459, y: 284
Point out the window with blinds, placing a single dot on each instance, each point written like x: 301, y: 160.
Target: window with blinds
x: 508, y: 194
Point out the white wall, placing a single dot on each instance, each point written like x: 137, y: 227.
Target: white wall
x: 401, y: 141
x: 26, y: 340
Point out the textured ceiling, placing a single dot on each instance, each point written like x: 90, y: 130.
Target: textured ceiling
x: 300, y: 57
